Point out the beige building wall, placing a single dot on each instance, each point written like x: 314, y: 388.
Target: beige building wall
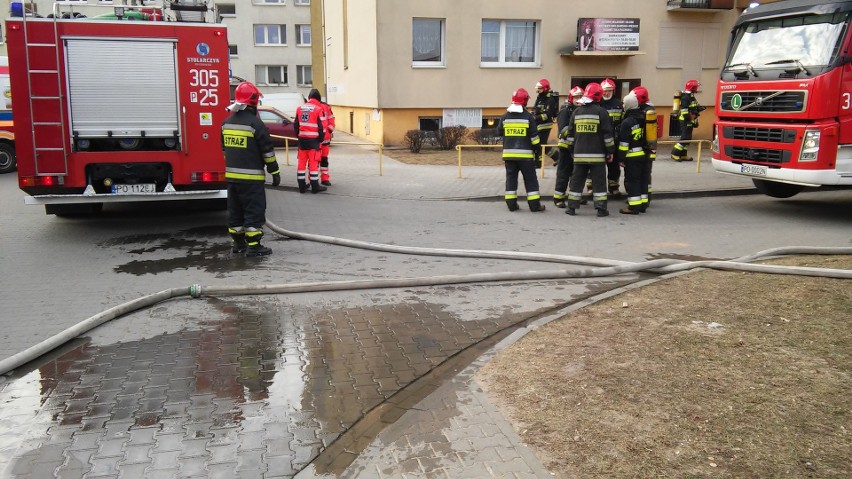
x: 379, y: 74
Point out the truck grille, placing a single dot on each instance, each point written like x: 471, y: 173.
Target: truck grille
x: 776, y: 135
x: 763, y: 155
x: 789, y: 101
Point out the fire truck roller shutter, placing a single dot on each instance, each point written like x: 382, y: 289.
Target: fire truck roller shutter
x: 125, y: 88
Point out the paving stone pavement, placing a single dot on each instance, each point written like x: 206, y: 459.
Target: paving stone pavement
x: 372, y: 384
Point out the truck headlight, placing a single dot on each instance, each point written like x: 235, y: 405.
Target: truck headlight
x: 714, y: 145
x: 810, y: 146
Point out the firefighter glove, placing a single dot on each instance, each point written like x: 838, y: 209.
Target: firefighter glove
x: 276, y: 179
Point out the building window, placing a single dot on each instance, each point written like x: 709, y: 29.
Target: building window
x: 233, y: 50
x: 427, y: 43
x: 270, y: 34
x: 304, y: 75
x: 510, y: 43
x: 429, y: 124
x: 269, y: 2
x: 227, y: 9
x: 303, y: 35
x: 302, y: 2
x: 271, y: 75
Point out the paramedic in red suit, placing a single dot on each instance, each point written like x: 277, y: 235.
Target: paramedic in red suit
x: 309, y: 130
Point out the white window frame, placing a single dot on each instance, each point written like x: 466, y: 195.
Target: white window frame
x: 300, y: 35
x: 236, y: 50
x: 269, y: 2
x: 301, y: 2
x: 300, y: 75
x: 501, y: 62
x: 282, y: 31
x: 227, y: 15
x: 440, y: 63
x: 265, y: 80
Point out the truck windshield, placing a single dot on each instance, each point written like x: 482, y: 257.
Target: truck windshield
x: 811, y: 40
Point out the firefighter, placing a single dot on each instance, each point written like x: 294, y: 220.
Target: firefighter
x: 688, y: 117
x: 591, y: 142
x: 651, y: 135
x: 520, y: 137
x: 248, y: 148
x: 545, y: 109
x: 308, y: 125
x: 613, y: 106
x: 565, y: 162
x: 328, y: 126
x: 632, y: 148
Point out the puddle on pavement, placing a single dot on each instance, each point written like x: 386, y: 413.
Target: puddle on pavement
x: 207, y: 248
x: 266, y: 385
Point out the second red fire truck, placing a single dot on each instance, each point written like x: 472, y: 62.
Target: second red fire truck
x: 120, y: 107
x: 784, y: 99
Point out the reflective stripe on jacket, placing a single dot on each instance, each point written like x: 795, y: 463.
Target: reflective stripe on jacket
x: 519, y: 133
x: 308, y: 125
x: 590, y: 134
x: 247, y: 147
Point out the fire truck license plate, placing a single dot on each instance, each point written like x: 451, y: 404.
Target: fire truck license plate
x: 139, y: 189
x: 756, y: 170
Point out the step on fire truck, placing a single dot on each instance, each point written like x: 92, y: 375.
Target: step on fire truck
x: 122, y: 106
x: 784, y: 98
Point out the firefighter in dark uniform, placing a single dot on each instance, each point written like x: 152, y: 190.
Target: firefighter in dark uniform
x: 565, y: 163
x: 545, y: 109
x: 613, y: 106
x: 590, y: 139
x: 632, y: 148
x: 518, y: 128
x: 651, y: 136
x: 688, y: 117
x: 248, y: 149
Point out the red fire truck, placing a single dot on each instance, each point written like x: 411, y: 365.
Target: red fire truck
x: 113, y: 110
x: 784, y: 98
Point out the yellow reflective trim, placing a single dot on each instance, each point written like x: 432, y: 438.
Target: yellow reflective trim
x: 228, y: 131
x: 242, y: 176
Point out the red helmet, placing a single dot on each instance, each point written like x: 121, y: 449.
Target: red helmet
x: 520, y: 97
x: 641, y: 94
x: 247, y: 94
x: 543, y: 84
x: 577, y: 91
x: 593, y: 92
x: 692, y: 86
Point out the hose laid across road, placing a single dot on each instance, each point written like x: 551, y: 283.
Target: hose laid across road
x: 603, y: 267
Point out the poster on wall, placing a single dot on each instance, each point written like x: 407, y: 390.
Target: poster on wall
x: 469, y: 117
x: 607, y: 34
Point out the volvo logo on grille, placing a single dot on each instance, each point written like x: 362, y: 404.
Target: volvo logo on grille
x: 759, y: 101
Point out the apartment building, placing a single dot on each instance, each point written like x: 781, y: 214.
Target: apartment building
x: 391, y: 66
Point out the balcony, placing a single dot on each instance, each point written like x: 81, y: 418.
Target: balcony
x: 700, y: 5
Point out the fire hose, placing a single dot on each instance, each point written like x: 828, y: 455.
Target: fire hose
x: 598, y: 267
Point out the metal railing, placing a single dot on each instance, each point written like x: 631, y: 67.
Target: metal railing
x: 697, y: 155
x: 287, y: 148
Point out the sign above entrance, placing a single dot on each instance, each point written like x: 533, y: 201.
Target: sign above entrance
x: 607, y: 34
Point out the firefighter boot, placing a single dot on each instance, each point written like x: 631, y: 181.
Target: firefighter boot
x: 238, y: 240
x: 316, y: 188
x: 258, y: 250
x: 512, y: 204
x: 613, y: 189
x: 559, y: 202
x: 602, y: 212
x: 629, y: 210
x: 535, y: 206
x: 303, y: 186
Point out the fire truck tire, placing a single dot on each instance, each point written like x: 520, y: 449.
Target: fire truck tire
x: 7, y: 158
x: 74, y: 210
x: 776, y: 189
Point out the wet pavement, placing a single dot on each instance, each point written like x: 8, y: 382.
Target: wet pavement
x: 374, y: 383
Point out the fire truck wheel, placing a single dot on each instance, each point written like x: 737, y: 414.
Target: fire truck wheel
x: 7, y: 158
x: 776, y: 189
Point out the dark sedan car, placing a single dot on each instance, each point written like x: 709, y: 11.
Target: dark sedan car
x: 279, y: 124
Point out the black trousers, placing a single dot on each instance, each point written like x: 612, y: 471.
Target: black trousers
x: 597, y: 172
x: 526, y: 168
x: 246, y: 204
x: 636, y: 178
x: 563, y: 172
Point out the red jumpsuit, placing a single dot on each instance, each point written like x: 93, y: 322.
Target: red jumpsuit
x: 309, y: 130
